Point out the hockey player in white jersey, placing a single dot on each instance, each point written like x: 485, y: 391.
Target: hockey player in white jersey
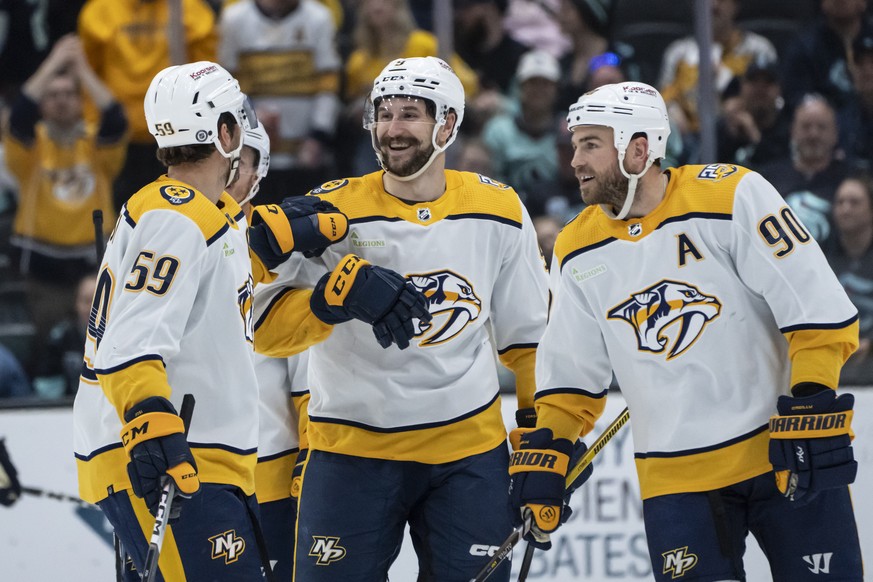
x: 172, y: 315
x: 406, y: 427
x: 726, y: 330
x: 282, y: 396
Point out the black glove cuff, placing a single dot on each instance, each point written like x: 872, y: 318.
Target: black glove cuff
x: 804, y: 389
x: 526, y: 418
x: 151, y: 404
x: 326, y: 313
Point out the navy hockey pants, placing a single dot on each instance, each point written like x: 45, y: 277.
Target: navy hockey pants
x: 212, y: 540
x: 701, y: 536
x: 353, y: 512
x: 278, y: 521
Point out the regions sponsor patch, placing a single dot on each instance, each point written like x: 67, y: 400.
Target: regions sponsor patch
x: 329, y: 186
x: 716, y: 172
x: 177, y: 195
x: 492, y: 182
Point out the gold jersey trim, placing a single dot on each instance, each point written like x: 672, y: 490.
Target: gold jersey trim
x: 442, y: 444
x: 273, y: 477
x: 167, y: 194
x: 467, y: 195
x: 705, y: 471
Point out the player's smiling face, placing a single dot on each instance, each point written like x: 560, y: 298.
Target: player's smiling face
x: 404, y: 130
x: 595, y: 163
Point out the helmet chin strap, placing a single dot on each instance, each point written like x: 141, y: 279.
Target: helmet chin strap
x: 437, y: 150
x: 233, y: 155
x: 633, y: 179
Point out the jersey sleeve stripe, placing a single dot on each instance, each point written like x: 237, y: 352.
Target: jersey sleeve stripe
x: 517, y: 347
x: 569, y: 390
x: 804, y: 326
x: 129, y: 363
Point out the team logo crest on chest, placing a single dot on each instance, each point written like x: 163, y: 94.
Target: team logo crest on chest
x: 451, y: 300
x: 654, y: 309
x: 424, y: 214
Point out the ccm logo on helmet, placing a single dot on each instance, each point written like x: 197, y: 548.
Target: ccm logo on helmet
x: 205, y: 71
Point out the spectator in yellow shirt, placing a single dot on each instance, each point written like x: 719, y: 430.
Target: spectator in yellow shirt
x: 127, y: 43
x: 65, y: 166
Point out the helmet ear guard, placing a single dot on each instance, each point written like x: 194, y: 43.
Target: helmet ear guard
x: 427, y: 78
x: 628, y: 109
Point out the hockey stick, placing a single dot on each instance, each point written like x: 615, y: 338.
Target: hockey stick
x: 517, y: 534
x: 36, y: 492
x: 586, y: 460
x: 162, y: 516
x: 99, y: 243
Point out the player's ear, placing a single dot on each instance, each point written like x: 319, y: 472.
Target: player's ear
x: 445, y: 132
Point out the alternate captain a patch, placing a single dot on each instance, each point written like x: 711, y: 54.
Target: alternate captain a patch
x: 658, y: 307
x: 177, y: 195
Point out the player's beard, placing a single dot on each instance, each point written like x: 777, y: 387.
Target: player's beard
x: 609, y: 188
x: 407, y: 168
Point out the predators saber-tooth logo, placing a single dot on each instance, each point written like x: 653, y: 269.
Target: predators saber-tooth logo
x: 326, y: 549
x: 227, y: 545
x: 451, y: 300
x: 677, y: 562
x: 658, y: 307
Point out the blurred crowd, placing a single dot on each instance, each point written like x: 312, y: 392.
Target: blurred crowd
x: 793, y: 82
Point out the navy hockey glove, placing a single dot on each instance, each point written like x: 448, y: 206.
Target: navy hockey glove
x: 811, y: 443
x: 10, y: 488
x: 381, y: 297
x: 304, y: 224
x: 537, y: 471
x: 154, y: 438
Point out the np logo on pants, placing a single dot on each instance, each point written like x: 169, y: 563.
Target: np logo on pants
x: 228, y: 545
x: 677, y: 562
x: 327, y: 550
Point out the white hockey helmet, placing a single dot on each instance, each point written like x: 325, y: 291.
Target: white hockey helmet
x: 428, y: 78
x: 184, y: 102
x: 628, y: 108
x: 258, y: 139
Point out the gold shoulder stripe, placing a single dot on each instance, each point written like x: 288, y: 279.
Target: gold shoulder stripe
x: 580, y: 233
x: 166, y: 194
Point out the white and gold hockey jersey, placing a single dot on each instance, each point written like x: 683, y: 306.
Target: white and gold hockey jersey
x: 473, y: 253
x: 707, y: 310
x: 284, y: 395
x: 288, y: 66
x: 171, y: 315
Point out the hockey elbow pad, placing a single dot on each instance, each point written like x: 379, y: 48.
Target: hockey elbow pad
x: 811, y: 443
